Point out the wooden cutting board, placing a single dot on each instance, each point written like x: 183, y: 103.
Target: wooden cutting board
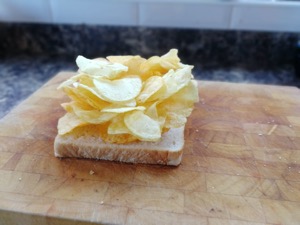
x: 241, y: 165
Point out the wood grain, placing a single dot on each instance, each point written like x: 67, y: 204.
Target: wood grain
x: 241, y: 165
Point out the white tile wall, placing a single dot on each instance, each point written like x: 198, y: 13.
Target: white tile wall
x: 94, y: 12
x: 270, y: 15
x: 266, y: 17
x: 25, y: 11
x: 191, y: 15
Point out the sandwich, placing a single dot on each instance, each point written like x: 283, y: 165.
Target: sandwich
x: 127, y: 109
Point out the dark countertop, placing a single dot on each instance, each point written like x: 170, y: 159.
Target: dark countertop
x: 20, y: 76
x: 30, y: 54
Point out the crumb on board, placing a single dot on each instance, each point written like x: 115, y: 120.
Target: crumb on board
x: 20, y: 178
x: 272, y: 129
x: 92, y: 172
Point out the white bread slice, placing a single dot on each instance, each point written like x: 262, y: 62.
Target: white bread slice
x: 167, y: 151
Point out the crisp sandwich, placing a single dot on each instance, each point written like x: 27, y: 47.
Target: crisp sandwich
x: 128, y: 109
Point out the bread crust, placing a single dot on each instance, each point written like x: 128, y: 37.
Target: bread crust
x: 167, y: 151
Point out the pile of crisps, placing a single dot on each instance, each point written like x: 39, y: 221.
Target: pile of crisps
x: 129, y: 98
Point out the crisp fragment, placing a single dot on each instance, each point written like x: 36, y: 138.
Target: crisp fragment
x: 100, y: 68
x: 68, y: 122
x: 118, y: 126
x: 176, y: 80
x: 119, y: 90
x: 92, y: 116
x: 132, y: 62
x: 122, y: 110
x: 90, y: 96
x: 160, y: 65
x: 142, y: 126
x: 151, y: 86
